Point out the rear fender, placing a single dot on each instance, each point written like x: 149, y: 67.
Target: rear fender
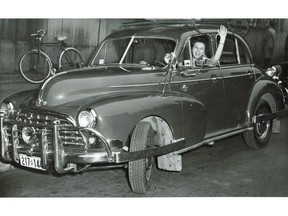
x: 269, y: 91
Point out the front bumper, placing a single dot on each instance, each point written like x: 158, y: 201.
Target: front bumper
x: 52, y: 150
x: 50, y: 147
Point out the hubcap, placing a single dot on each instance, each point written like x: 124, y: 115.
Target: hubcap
x: 262, y: 128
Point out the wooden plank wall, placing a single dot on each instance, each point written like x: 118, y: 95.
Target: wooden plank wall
x: 86, y: 34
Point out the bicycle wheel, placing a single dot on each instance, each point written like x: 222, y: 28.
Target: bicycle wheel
x: 69, y: 59
x: 35, y: 67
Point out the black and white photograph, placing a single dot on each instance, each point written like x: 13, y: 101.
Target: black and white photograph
x: 138, y: 109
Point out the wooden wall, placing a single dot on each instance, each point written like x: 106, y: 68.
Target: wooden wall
x: 86, y: 34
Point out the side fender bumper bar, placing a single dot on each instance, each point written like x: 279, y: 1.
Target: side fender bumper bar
x: 267, y: 117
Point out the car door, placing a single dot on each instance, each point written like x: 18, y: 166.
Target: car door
x: 239, y: 78
x: 203, y: 84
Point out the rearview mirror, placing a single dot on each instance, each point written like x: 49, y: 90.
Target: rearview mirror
x: 170, y: 58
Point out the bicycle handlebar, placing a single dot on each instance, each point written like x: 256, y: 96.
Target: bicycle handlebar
x: 39, y: 33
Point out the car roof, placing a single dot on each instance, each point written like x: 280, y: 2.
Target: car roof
x: 174, y: 32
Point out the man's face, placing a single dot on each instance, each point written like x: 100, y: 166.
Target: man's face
x: 198, y: 49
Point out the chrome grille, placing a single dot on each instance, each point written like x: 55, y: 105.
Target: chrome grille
x: 48, y: 118
x: 68, y: 134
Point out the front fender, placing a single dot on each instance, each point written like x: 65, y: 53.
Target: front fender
x: 117, y: 116
x: 19, y: 98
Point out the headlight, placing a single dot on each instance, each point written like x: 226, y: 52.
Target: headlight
x: 87, y: 118
x: 7, y: 109
x: 271, y: 71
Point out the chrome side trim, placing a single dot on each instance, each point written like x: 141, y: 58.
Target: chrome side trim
x: 137, y: 85
x: 207, y: 79
x: 212, y: 140
x: 103, y: 139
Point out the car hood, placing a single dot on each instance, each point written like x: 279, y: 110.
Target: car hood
x: 78, y: 85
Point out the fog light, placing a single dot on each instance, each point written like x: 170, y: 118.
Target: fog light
x: 92, y: 140
x: 7, y: 108
x: 28, y: 134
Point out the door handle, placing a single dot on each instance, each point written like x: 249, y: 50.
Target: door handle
x: 215, y: 78
x: 250, y: 73
x: 184, y: 88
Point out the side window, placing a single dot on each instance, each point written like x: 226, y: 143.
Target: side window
x: 229, y: 55
x: 234, y: 52
x: 243, y: 53
x: 185, y: 56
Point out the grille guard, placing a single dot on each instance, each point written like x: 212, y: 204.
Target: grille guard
x: 60, y: 158
x: 67, y: 162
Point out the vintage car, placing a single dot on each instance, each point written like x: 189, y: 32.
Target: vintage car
x: 138, y: 103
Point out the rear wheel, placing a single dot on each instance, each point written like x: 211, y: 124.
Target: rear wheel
x: 140, y: 171
x: 70, y: 59
x: 35, y: 66
x: 260, y: 135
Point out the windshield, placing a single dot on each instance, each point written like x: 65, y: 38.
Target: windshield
x: 148, y: 51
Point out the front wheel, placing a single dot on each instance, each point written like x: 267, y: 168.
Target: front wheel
x: 35, y: 66
x: 140, y: 171
x: 260, y: 135
x: 70, y: 59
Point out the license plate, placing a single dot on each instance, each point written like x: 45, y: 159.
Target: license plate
x: 32, y: 162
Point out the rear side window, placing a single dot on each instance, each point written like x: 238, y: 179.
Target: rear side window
x: 234, y: 52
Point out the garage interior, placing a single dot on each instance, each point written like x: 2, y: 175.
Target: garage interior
x: 227, y: 169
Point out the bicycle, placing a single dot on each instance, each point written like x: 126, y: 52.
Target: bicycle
x: 36, y: 66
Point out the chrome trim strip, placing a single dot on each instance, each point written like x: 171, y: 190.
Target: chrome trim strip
x: 207, y: 79
x: 128, y: 47
x: 87, y: 158
x: 4, y: 145
x: 40, y: 100
x: 137, y: 85
x: 190, y: 81
x: 44, y: 148
x: 59, y: 154
x: 212, y: 140
x: 241, y: 75
x: 15, y: 143
x: 103, y: 139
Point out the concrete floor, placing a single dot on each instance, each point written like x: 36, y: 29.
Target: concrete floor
x: 227, y: 169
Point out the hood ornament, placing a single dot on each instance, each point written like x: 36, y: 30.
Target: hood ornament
x: 40, y: 102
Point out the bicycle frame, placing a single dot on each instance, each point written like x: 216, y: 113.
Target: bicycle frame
x: 62, y: 45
